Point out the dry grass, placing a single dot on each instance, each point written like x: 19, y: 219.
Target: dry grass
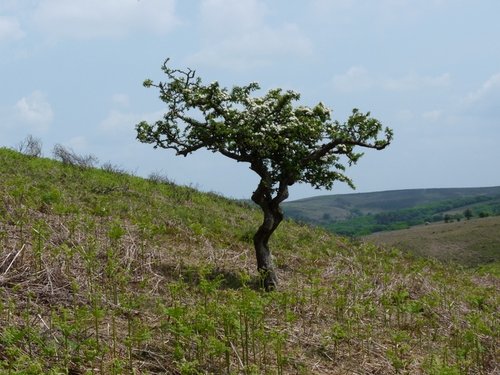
x: 468, y: 242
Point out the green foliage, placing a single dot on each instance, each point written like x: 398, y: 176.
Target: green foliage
x: 283, y: 143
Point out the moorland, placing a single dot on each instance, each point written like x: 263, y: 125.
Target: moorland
x: 103, y: 272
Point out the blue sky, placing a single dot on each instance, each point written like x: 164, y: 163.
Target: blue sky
x: 71, y: 72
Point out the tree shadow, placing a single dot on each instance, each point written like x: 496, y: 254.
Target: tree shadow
x: 193, y: 275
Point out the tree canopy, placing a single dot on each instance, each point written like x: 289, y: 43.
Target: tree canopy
x: 284, y: 143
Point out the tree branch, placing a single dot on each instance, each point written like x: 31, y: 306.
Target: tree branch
x: 235, y: 156
x: 282, y: 193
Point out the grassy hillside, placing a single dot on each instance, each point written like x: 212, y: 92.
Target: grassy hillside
x: 361, y: 214
x: 470, y: 242
x: 106, y: 273
x: 342, y: 205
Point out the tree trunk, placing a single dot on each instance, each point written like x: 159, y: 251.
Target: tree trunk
x: 273, y: 216
x: 265, y: 265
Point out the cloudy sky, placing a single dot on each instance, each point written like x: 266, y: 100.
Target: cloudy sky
x: 71, y: 72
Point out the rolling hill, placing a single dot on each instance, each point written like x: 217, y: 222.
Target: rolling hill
x: 102, y: 272
x: 472, y: 242
x: 365, y: 213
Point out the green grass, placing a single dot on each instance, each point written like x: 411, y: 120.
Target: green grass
x: 106, y: 273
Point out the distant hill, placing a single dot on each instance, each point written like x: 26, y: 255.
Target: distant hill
x: 364, y: 213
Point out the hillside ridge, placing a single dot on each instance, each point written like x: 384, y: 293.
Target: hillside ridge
x: 364, y: 213
x: 445, y: 191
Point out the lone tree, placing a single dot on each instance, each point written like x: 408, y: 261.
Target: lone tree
x: 283, y: 143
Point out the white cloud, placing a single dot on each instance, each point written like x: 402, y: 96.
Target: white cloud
x: 380, y: 12
x: 35, y: 110
x: 433, y: 115
x: 110, y: 18
x: 414, y: 81
x: 78, y: 143
x: 489, y: 87
x: 483, y: 102
x: 253, y: 48
x: 327, y: 7
x: 355, y: 79
x: 122, y: 100
x: 10, y: 29
x: 220, y: 17
x: 120, y: 121
x: 358, y: 78
x: 237, y: 36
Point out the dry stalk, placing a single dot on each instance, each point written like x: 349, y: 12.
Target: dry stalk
x: 12, y: 261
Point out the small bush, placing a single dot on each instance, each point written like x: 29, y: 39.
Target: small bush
x: 69, y: 157
x: 30, y: 146
x: 113, y: 168
x: 158, y: 178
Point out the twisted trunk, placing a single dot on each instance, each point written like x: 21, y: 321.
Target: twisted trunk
x: 273, y: 216
x: 265, y: 265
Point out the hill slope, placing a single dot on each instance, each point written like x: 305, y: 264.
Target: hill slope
x: 101, y: 272
x: 469, y: 242
x: 364, y: 213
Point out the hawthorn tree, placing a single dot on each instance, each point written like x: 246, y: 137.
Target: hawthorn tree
x: 283, y: 143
